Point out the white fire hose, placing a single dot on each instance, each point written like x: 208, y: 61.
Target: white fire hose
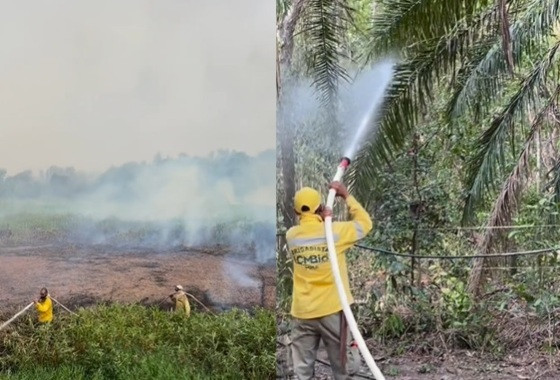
x: 338, y: 280
x: 15, y: 316
x: 5, y: 324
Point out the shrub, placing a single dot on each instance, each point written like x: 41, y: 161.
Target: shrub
x: 123, y: 342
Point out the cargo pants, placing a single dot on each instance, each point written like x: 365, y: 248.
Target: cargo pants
x: 305, y: 339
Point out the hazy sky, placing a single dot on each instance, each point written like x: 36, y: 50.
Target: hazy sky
x: 97, y: 83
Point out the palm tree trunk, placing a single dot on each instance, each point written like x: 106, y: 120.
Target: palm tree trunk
x: 419, y: 202
x: 286, y: 32
x: 285, y: 133
x: 506, y: 36
x: 288, y: 167
x: 475, y: 277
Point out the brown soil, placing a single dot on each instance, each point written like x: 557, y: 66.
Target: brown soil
x: 460, y: 364
x: 453, y: 365
x: 81, y: 276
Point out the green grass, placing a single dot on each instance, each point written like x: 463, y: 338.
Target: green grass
x: 135, y: 342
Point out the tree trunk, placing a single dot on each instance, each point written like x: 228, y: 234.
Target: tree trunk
x: 288, y: 175
x: 506, y: 36
x: 412, y: 259
x: 285, y: 133
x: 538, y: 158
x: 286, y: 32
x: 473, y: 286
x: 420, y: 204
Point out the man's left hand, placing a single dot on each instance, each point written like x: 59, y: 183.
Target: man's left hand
x: 325, y: 212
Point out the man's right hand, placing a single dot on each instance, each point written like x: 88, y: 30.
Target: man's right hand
x: 341, y: 190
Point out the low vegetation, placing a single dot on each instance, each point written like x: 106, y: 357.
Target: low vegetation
x: 133, y: 341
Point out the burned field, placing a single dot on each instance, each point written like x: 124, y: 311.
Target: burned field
x: 83, y: 275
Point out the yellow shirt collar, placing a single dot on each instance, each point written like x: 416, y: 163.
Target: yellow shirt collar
x: 310, y: 218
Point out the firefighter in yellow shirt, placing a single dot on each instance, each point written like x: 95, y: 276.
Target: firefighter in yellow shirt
x: 44, y: 307
x: 316, y: 309
x: 181, y: 301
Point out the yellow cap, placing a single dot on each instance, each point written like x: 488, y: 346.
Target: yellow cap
x: 309, y: 197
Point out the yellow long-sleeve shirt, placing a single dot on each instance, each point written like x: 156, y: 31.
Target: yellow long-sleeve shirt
x: 314, y: 290
x: 45, y: 310
x: 182, y: 302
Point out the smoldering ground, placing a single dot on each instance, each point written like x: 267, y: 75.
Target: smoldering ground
x: 226, y: 198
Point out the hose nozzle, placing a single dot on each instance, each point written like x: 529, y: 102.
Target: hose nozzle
x: 345, y: 162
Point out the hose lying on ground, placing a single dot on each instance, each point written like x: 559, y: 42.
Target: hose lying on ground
x: 15, y: 316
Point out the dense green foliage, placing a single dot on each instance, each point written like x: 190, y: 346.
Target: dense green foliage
x: 127, y: 342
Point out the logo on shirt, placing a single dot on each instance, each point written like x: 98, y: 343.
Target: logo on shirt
x: 310, y: 261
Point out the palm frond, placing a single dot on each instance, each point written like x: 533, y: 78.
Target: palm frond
x: 506, y: 204
x: 413, y: 83
x: 401, y: 22
x: 324, y: 25
x: 475, y: 87
x: 484, y: 74
x: 483, y: 167
x: 282, y: 7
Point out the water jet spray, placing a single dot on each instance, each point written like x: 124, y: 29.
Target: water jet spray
x: 344, y: 163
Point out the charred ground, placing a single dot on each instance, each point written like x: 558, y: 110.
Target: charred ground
x: 86, y: 275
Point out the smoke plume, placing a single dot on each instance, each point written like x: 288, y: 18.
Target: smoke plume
x: 226, y: 198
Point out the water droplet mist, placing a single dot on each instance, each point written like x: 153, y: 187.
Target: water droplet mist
x: 363, y: 100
